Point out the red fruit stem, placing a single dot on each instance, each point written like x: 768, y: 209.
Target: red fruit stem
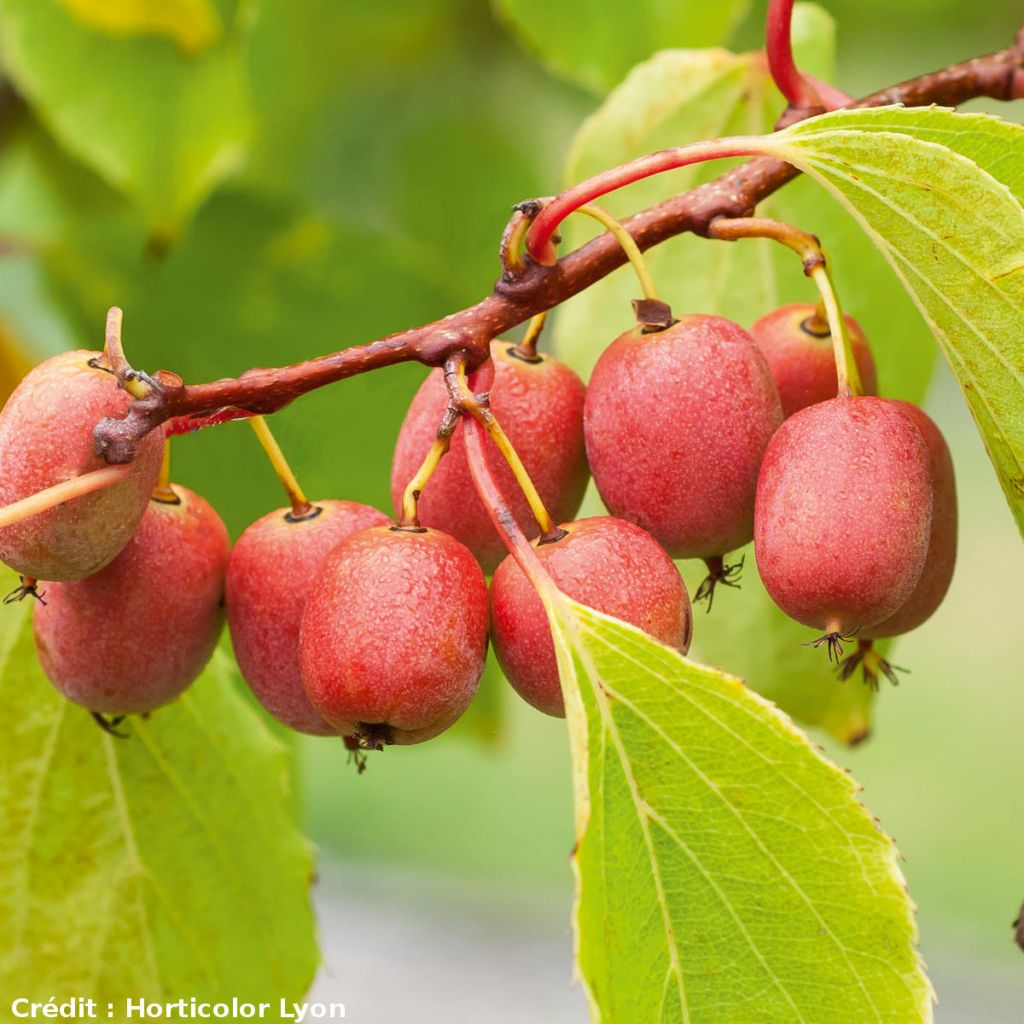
x: 778, y: 46
x: 66, y: 490
x: 189, y: 424
x: 465, y: 398
x: 538, y: 242
x: 831, y: 97
x: 491, y: 496
x: 526, y: 289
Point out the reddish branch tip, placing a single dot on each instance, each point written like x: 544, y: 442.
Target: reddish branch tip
x: 798, y: 90
x: 541, y: 232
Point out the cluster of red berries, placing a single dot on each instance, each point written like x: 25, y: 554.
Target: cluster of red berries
x: 700, y: 437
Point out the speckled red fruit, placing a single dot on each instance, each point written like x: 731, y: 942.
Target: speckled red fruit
x: 604, y: 563
x: 540, y: 407
x: 270, y: 575
x: 844, y: 513
x: 133, y: 636
x: 937, y: 573
x: 801, y: 358
x: 676, y: 425
x: 46, y: 438
x: 394, y: 635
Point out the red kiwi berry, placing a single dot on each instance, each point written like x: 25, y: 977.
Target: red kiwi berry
x: 133, y: 636
x: 940, y: 560
x: 46, y: 438
x: 844, y: 515
x: 676, y: 424
x: 603, y: 562
x: 798, y: 345
x: 394, y: 635
x: 270, y: 574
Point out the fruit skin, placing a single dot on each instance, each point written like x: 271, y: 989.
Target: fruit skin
x: 270, y: 575
x: 802, y: 362
x: 394, y: 635
x: 131, y: 637
x: 540, y: 407
x: 46, y: 438
x: 844, y: 513
x: 604, y: 563
x: 937, y: 574
x: 676, y: 424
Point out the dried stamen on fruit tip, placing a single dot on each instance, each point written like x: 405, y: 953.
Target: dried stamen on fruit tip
x: 355, y: 753
x: 718, y: 572
x: 871, y: 664
x: 109, y: 725
x: 27, y: 587
x: 373, y: 736
x: 833, y: 641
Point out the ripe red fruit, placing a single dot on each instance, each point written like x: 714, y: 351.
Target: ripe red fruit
x: 937, y: 573
x: 270, y: 575
x: 801, y: 359
x: 676, y: 424
x: 134, y: 635
x: 45, y: 439
x: 603, y: 562
x: 540, y: 406
x: 844, y: 514
x: 394, y: 635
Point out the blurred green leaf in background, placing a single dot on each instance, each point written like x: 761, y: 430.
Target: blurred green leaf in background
x: 596, y: 43
x: 168, y: 139
x: 123, y: 859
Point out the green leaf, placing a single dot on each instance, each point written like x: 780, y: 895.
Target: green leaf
x: 940, y: 194
x: 726, y: 871
x: 595, y: 44
x: 192, y: 24
x: 167, y: 140
x: 162, y: 866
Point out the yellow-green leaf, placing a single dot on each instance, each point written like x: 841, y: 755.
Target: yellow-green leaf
x: 162, y: 866
x: 726, y: 871
x: 939, y: 192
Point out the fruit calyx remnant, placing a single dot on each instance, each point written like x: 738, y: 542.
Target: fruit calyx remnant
x: 27, y: 587
x: 109, y: 725
x: 718, y: 573
x: 871, y: 664
x: 291, y: 516
x: 815, y: 326
x: 373, y: 735
x: 833, y: 640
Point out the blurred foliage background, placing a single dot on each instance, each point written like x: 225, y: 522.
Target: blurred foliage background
x: 260, y: 182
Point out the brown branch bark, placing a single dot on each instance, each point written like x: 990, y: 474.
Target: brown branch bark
x: 518, y: 297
